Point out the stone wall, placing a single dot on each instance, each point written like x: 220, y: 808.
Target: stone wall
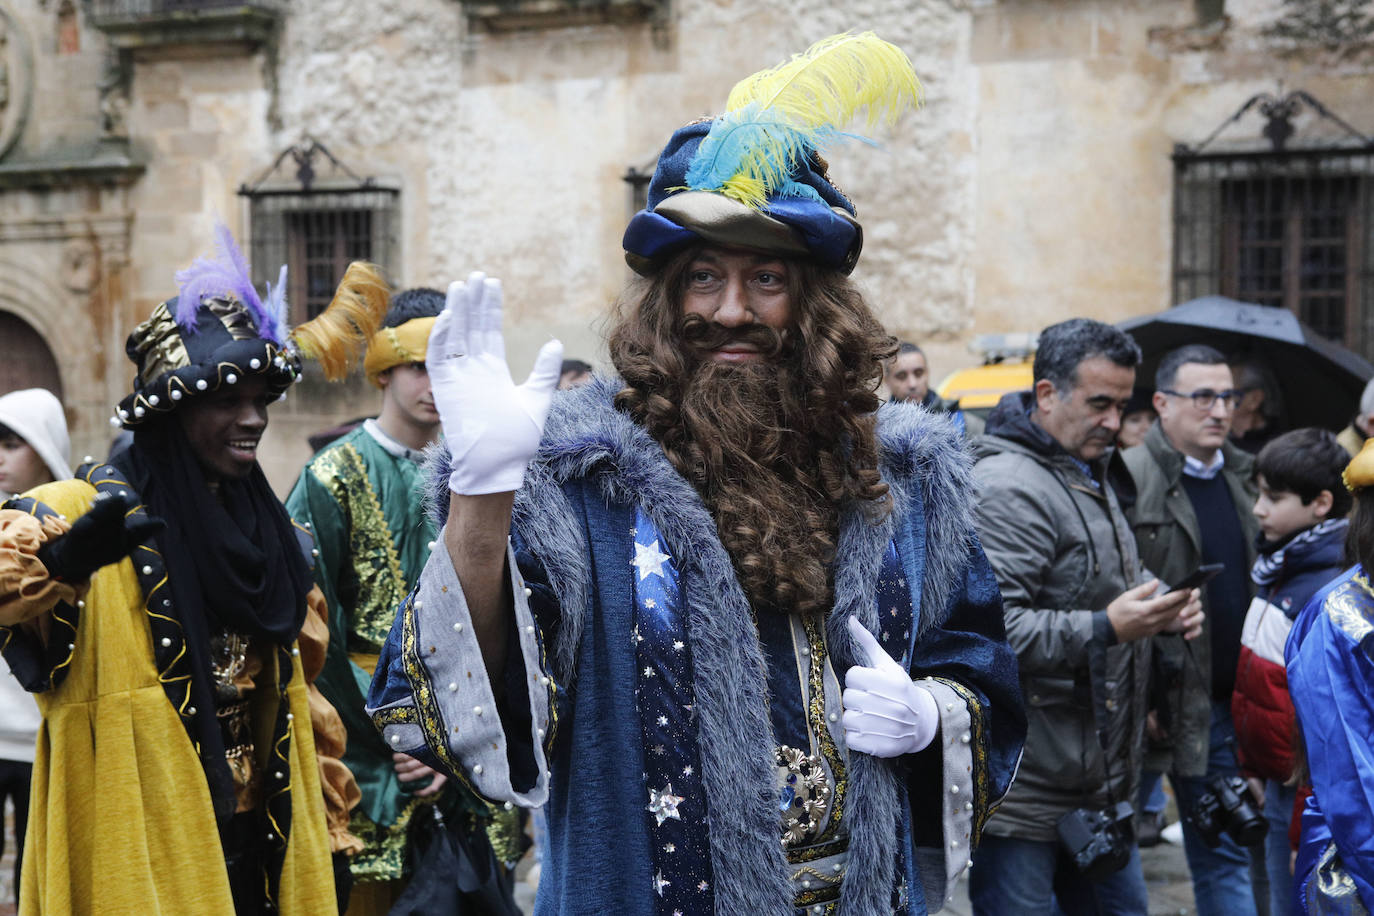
x: 1034, y: 185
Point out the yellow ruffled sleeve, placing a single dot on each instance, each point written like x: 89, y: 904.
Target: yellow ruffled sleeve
x: 27, y: 591
x: 341, y: 792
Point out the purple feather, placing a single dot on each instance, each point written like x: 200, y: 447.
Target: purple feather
x: 226, y: 274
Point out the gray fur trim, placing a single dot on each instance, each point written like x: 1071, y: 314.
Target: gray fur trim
x: 923, y: 449
x: 585, y: 437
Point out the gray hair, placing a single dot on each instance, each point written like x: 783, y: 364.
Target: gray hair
x: 1064, y: 346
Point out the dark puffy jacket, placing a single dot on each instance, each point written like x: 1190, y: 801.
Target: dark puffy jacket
x: 1062, y: 550
x: 1261, y: 707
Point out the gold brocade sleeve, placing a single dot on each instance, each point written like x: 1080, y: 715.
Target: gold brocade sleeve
x: 26, y: 590
x: 341, y: 793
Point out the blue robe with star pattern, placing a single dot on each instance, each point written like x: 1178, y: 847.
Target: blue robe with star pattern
x: 571, y: 729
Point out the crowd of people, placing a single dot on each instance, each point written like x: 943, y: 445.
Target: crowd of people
x: 747, y: 639
x: 1083, y: 510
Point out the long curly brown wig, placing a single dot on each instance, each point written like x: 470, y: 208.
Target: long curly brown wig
x: 777, y: 447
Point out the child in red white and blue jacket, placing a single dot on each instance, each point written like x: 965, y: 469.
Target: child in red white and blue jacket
x: 1301, y: 509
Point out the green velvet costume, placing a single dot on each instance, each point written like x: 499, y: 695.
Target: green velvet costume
x: 373, y: 537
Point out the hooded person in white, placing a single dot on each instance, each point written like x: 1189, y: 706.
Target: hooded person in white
x: 34, y: 449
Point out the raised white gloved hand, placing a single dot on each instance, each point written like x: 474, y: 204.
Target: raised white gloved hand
x: 491, y: 425
x: 886, y: 714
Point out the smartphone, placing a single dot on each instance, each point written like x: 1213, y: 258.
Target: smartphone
x: 1199, y: 577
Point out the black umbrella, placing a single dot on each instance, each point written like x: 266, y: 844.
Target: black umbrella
x: 1321, y: 381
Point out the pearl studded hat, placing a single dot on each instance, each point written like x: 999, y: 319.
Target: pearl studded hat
x: 218, y: 331
x: 177, y: 365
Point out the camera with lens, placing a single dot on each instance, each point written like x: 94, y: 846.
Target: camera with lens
x: 1099, y: 841
x: 1228, y: 806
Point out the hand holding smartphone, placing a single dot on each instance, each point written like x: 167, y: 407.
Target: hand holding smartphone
x: 1198, y: 577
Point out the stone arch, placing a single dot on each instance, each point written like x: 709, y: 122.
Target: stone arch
x: 26, y: 360
x: 46, y: 309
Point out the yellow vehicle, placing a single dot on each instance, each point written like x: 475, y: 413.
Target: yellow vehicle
x: 1007, y: 360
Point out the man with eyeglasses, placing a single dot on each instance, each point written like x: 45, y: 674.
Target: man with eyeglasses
x: 1195, y: 490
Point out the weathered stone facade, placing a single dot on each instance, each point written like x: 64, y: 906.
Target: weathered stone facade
x: 1035, y: 184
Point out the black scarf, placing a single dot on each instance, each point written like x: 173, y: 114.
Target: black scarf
x: 232, y: 561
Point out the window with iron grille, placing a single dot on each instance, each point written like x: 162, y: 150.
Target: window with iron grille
x: 1287, y: 226
x: 316, y: 235
x: 1290, y: 229
x: 320, y: 243
x: 314, y: 214
x: 1288, y: 242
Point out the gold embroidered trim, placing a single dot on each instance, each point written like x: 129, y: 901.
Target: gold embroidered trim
x: 815, y: 639
x: 397, y: 715
x: 148, y: 556
x: 384, y: 848
x: 797, y: 855
x: 371, y: 548
x: 982, y: 809
x: 1346, y: 608
x: 281, y: 748
x: 426, y: 706
x: 817, y: 895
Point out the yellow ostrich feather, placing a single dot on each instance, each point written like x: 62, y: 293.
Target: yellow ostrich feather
x: 778, y: 116
x: 831, y: 81
x: 750, y: 190
x: 337, y: 336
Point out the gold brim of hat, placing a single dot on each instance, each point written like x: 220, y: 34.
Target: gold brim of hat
x: 1359, y: 473
x: 391, y: 347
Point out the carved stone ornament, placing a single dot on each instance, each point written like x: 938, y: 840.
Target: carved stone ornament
x: 80, y: 267
x: 16, y: 80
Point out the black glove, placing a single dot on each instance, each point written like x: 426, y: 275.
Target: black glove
x: 104, y: 535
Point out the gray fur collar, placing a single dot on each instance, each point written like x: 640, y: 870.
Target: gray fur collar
x: 585, y: 437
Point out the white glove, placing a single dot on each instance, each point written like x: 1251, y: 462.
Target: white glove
x: 492, y: 427
x: 885, y: 713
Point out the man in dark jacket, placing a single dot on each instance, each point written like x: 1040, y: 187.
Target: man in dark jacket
x: 1079, y: 614
x: 1193, y: 507
x: 907, y: 377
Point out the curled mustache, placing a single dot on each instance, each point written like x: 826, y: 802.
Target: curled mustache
x: 703, y: 337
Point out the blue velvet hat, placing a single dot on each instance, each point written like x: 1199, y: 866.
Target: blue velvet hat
x: 753, y: 178
x: 824, y: 229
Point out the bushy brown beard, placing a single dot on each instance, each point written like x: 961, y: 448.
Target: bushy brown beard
x: 775, y: 447
x: 746, y: 447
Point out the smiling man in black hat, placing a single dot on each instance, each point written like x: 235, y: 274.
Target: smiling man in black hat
x: 161, y: 607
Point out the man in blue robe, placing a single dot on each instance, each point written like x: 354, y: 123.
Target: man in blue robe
x: 741, y: 641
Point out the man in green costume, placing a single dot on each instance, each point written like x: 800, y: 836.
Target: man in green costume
x: 359, y: 495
